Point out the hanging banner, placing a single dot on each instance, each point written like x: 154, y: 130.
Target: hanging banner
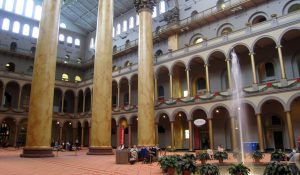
x: 121, y: 136
x: 196, y: 138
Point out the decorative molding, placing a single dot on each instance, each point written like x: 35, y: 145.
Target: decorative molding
x: 144, y: 4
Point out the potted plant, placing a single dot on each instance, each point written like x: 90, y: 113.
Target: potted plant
x: 203, y: 157
x: 189, y: 156
x: 239, y: 169
x: 168, y: 163
x: 221, y: 155
x: 257, y: 156
x: 209, y: 169
x: 186, y: 166
x: 277, y: 168
x: 277, y: 155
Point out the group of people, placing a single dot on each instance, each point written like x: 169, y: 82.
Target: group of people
x: 68, y: 146
x: 145, y: 154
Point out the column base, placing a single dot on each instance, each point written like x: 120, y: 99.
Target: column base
x: 37, y: 152
x: 100, y: 151
x: 283, y: 82
x: 255, y: 87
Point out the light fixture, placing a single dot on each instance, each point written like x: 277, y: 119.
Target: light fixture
x: 70, y: 123
x: 137, y: 118
x: 164, y: 116
x: 7, y: 65
x: 57, y: 123
x: 179, y: 114
x: 217, y: 111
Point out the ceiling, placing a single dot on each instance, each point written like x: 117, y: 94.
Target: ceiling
x: 83, y: 13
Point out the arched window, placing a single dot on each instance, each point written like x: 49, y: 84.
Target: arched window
x: 161, y: 92
x: 26, y: 30
x: 35, y: 32
x: 127, y: 63
x: 126, y: 99
x: 226, y: 31
x: 10, y: 66
x: 158, y: 53
x: 158, y: 30
x: 16, y: 27
x: 13, y: 46
x: 63, y: 25
x: 137, y: 22
x: 127, y: 44
x: 113, y: 32
x: 32, y: 50
x: 198, y: 40
x: 92, y: 46
x: 131, y: 22
x: 1, y: 4
x: 114, y: 68
x: 69, y: 40
x: 115, y: 48
x: 259, y: 19
x: 162, y: 7
x: 61, y: 38
x: 221, y: 5
x: 65, y: 77
x: 77, y: 42
x: 9, y: 5
x: 124, y: 25
x: 154, y: 14
x: 114, y: 100
x: 29, y: 8
x: 194, y: 14
x: 294, y: 8
x: 270, y: 72
x: 38, y: 12
x: 5, y: 24
x: 118, y: 29
x: 19, y: 7
x: 77, y: 79
x: 201, y: 84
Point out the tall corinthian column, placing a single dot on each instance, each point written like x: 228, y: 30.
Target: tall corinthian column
x: 100, y: 141
x: 42, y: 88
x: 146, y: 126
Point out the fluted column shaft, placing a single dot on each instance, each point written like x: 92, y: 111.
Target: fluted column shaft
x: 171, y: 86
x: 20, y: 97
x: 188, y: 82
x: 145, y: 78
x: 254, y: 77
x: 190, y: 135
x: 211, y: 134
x: 290, y: 130
x: 260, y: 133
x: 282, y: 66
x: 172, y: 134
x: 129, y: 93
x: 42, y: 89
x: 229, y: 72
x: 207, y: 78
x: 102, y: 86
x: 118, y: 96
x: 234, y: 143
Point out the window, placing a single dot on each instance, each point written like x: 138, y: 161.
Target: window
x: 158, y: 53
x: 9, y: 5
x: 131, y: 22
x: 154, y: 14
x: 35, y: 32
x: 19, y: 7
x: 162, y: 7
x: 137, y: 22
x: 63, y: 25
x: 221, y: 5
x: 26, y: 29
x: 270, y: 72
x: 158, y: 30
x: 113, y: 32
x: 10, y: 66
x: 124, y: 25
x: 16, y: 27
x: 61, y: 37
x: 92, y: 46
x: 5, y: 24
x: 1, y: 4
x: 77, y: 79
x: 65, y: 77
x: 194, y: 14
x: 69, y: 40
x: 127, y: 63
x: 126, y: 99
x: 294, y: 8
x: 226, y: 31
x: 118, y: 29
x: 161, y: 92
x: 13, y: 46
x: 115, y: 48
x: 127, y: 44
x: 29, y: 8
x: 201, y: 84
x: 198, y: 40
x: 258, y: 19
x: 38, y: 12
x: 77, y: 42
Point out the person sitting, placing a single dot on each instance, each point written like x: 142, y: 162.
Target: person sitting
x: 145, y: 154
x: 210, y: 153
x: 133, y: 154
x: 220, y: 148
x: 121, y: 147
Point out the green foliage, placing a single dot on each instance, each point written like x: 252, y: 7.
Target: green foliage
x: 277, y: 168
x: 257, y: 155
x: 166, y: 162
x: 239, y: 169
x: 189, y: 156
x: 209, y: 169
x: 203, y: 156
x: 221, y: 155
x: 186, y: 164
x: 277, y: 155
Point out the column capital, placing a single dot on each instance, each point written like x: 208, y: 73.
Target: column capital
x: 206, y: 65
x: 170, y: 74
x: 187, y: 69
x: 228, y: 59
x: 251, y: 53
x: 278, y: 46
x: 144, y: 5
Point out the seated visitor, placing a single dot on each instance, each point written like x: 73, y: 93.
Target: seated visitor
x: 121, y: 147
x: 220, y: 148
x: 210, y: 153
x: 133, y: 154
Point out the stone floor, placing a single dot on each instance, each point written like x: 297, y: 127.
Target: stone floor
x: 68, y: 163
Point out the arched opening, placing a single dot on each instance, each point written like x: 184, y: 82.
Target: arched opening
x: 113, y: 133
x: 57, y: 100
x: 179, y: 80
x: 11, y: 95
x: 10, y: 67
x: 88, y: 98
x: 55, y: 132
x: 134, y: 130
x: 7, y: 132
x: 69, y: 102
x: 124, y: 88
x: 80, y: 101
x: 295, y: 113
x: 134, y: 90
x: 86, y: 135
x: 164, y: 131
x: 163, y: 83
x: 158, y: 53
x: 181, y: 138
x: 221, y: 4
x: 114, y: 94
x: 216, y: 66
x: 25, y: 97
x: 221, y: 127
x: 13, y: 46
x: 194, y: 15
x: 293, y: 8
x: 258, y: 19
x: 67, y: 134
x: 200, y: 134
x: 127, y: 44
x: 197, y: 74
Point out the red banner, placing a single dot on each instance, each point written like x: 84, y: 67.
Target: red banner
x: 121, y: 136
x: 196, y: 138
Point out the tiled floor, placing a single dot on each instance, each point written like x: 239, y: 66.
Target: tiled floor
x: 67, y: 163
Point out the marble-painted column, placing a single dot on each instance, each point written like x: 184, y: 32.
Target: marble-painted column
x: 102, y: 86
x: 83, y: 103
x: 290, y: 130
x: 229, y: 72
x: 82, y: 135
x: 234, y: 143
x: 20, y: 98
x: 254, y: 77
x: 211, y: 133
x: 146, y: 73
x: 260, y: 133
x: 3, y: 95
x: 172, y: 134
x: 188, y: 82
x: 42, y: 89
x: 118, y: 95
x: 190, y: 135
x: 129, y: 93
x: 129, y: 136
x: 207, y: 78
x: 62, y: 102
x: 171, y: 86
x: 281, y: 62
